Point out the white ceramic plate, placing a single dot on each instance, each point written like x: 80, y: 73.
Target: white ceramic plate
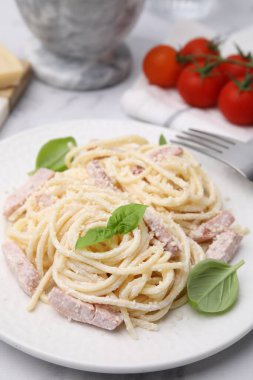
x: 184, y: 335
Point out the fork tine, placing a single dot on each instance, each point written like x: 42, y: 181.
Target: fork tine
x: 205, y: 139
x: 215, y: 136
x: 197, y: 142
x: 207, y: 153
x: 191, y: 146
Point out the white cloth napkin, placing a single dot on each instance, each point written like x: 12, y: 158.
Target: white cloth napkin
x: 165, y: 107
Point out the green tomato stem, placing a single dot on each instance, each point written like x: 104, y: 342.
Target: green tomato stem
x: 217, y: 59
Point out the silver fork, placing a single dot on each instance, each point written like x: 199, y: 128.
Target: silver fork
x: 232, y: 152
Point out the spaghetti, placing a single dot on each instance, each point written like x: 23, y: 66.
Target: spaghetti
x: 156, y: 176
x: 132, y: 273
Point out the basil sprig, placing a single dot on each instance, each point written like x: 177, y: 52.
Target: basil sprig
x: 162, y: 140
x: 123, y: 220
x: 52, y: 154
x: 213, y: 286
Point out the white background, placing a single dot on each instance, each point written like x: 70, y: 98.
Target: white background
x: 43, y: 104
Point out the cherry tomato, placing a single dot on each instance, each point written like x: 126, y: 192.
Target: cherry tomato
x: 232, y: 70
x: 200, y: 46
x: 200, y: 89
x: 161, y: 67
x: 236, y: 104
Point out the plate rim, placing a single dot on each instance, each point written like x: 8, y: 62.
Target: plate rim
x: 57, y: 124
x: 135, y: 368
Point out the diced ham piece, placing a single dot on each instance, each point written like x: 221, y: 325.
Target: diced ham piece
x: 93, y: 314
x: 208, y: 230
x: 224, y: 246
x: 158, y: 155
x: 156, y: 225
x: 25, y: 273
x: 164, y: 152
x: 96, y: 171
x: 137, y: 169
x: 106, y: 317
x: 45, y: 200
x: 18, y: 198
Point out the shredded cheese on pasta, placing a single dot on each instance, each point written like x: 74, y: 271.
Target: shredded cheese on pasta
x: 130, y: 272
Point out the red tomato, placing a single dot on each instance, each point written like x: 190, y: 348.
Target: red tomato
x: 161, y: 67
x: 237, y: 104
x: 200, y: 46
x: 200, y: 90
x: 232, y: 70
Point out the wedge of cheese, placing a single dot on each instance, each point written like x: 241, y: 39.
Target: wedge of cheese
x: 11, y: 69
x: 12, y: 94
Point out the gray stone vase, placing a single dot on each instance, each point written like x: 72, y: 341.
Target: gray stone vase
x: 78, y: 43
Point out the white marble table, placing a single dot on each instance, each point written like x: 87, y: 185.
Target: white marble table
x: 43, y: 104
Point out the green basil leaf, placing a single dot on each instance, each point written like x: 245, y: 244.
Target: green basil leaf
x: 212, y: 286
x: 123, y: 220
x: 162, y: 140
x: 94, y: 236
x: 52, y: 154
x: 126, y: 218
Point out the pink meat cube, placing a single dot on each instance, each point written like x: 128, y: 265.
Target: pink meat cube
x: 224, y: 246
x: 18, y: 198
x: 23, y: 270
x: 93, y: 314
x: 208, y: 230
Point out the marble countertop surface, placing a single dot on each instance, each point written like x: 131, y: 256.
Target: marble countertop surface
x: 43, y: 104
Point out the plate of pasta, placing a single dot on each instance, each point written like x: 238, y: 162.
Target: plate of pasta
x: 121, y: 252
